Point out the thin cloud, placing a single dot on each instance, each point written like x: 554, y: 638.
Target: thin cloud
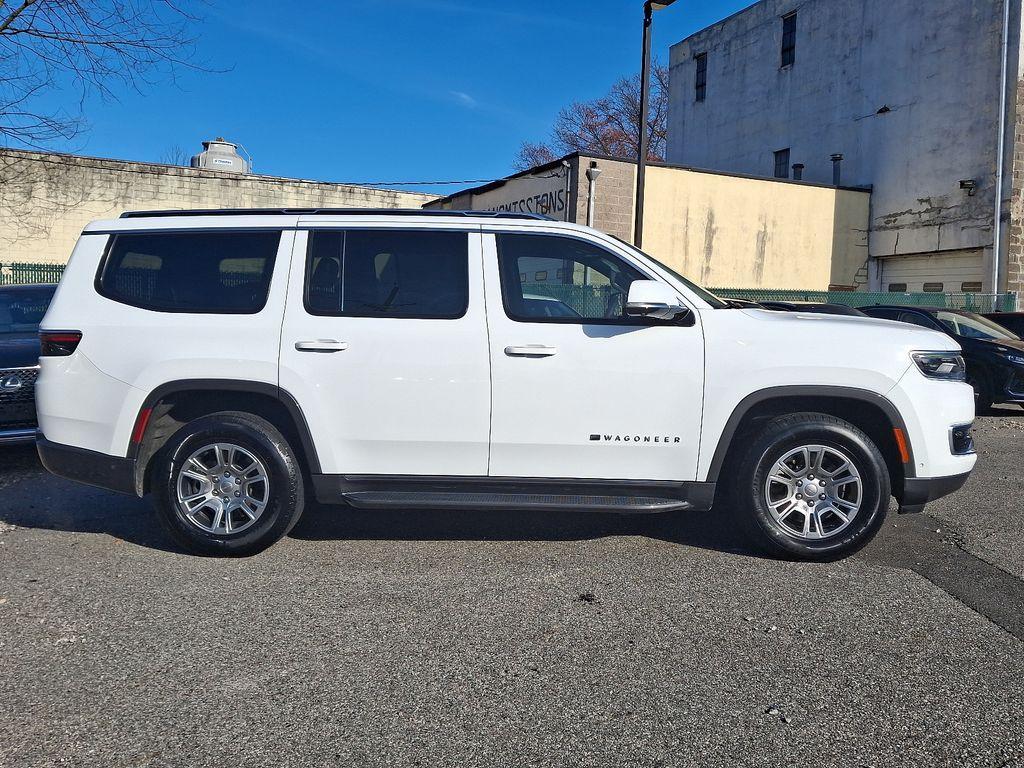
x: 464, y: 99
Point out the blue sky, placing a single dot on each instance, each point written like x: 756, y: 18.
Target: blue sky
x: 372, y: 90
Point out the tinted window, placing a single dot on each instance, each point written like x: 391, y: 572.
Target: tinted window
x: 388, y: 273
x: 561, y: 279
x: 22, y: 309
x: 202, y: 272
x: 916, y: 319
x: 885, y: 314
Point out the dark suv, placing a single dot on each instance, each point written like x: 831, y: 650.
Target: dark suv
x: 21, y: 309
x: 994, y: 355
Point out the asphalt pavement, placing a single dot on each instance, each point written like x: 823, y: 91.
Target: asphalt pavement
x: 519, y: 639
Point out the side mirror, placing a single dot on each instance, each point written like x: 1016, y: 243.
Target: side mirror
x: 653, y: 299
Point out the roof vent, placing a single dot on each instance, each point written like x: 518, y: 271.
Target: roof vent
x: 221, y: 155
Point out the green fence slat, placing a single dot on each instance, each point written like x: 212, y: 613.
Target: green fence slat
x: 974, y: 302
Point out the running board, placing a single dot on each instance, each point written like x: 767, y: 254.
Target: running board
x: 439, y: 500
x: 482, y: 493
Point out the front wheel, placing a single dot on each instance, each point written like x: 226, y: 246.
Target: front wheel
x: 813, y: 487
x: 228, y: 484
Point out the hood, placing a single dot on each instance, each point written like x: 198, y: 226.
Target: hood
x: 1000, y: 345
x: 848, y: 327
x: 19, y: 350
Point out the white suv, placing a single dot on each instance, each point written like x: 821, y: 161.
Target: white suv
x: 234, y: 363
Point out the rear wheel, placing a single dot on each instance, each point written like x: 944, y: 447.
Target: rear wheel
x: 812, y: 486
x: 228, y: 484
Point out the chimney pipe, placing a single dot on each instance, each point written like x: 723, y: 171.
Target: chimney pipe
x: 837, y: 169
x: 798, y: 171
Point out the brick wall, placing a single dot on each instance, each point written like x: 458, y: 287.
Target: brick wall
x: 46, y: 199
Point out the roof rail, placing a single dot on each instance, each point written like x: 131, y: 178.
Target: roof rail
x: 333, y: 212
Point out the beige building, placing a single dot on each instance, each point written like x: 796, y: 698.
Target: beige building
x: 720, y: 230
x: 46, y: 199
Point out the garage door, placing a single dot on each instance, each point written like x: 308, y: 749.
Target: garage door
x: 956, y: 272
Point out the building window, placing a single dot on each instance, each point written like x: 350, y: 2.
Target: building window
x: 933, y: 287
x: 782, y: 164
x: 897, y: 287
x: 701, y: 83
x: 970, y: 287
x: 789, y: 39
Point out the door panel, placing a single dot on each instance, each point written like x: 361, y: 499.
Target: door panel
x: 384, y: 345
x: 604, y: 396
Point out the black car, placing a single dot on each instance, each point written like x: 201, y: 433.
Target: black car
x: 1011, y: 321
x: 811, y: 306
x: 994, y: 355
x: 21, y: 309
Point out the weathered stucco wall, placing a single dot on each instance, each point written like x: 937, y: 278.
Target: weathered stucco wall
x: 730, y: 232
x: 906, y: 90
x: 46, y: 199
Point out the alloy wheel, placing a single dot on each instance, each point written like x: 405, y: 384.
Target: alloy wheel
x: 814, y: 492
x: 222, y: 489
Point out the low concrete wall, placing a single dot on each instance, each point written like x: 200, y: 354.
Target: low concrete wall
x: 46, y: 199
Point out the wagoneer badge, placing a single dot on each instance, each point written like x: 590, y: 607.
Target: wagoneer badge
x: 11, y: 383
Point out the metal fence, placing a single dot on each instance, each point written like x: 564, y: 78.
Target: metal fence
x: 20, y: 273
x: 973, y: 302
x: 592, y: 300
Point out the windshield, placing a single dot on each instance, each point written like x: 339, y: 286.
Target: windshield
x: 974, y: 326
x: 705, y: 294
x: 22, y: 309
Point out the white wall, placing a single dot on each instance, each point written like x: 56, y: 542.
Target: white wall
x: 934, y: 63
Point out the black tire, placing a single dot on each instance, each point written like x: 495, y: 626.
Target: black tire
x: 283, y: 499
x: 785, y: 434
x: 979, y: 379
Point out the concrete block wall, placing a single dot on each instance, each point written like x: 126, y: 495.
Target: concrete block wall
x: 46, y: 199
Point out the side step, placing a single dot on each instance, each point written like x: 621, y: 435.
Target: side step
x: 454, y: 500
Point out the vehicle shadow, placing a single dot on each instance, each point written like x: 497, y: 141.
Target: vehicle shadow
x: 704, y: 530
x: 33, y: 499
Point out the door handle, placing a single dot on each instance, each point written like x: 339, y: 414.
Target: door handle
x: 531, y: 350
x: 321, y: 345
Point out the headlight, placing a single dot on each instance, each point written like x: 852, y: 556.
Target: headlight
x: 941, y: 365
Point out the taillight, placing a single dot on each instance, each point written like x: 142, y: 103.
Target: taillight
x: 58, y: 343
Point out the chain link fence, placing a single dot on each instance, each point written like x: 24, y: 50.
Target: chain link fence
x: 973, y: 302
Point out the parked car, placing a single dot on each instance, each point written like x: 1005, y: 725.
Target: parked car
x: 813, y: 307
x: 994, y: 355
x: 21, y: 309
x: 1011, y: 321
x: 234, y: 363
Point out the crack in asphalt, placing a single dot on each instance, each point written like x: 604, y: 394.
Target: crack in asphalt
x: 918, y: 543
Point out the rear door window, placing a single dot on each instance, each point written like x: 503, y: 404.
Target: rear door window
x: 199, y: 272
x: 388, y: 273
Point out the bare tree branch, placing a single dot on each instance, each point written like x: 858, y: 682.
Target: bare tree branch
x: 609, y: 125
x: 87, y: 47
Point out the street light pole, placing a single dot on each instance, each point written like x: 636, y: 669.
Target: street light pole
x: 645, y: 87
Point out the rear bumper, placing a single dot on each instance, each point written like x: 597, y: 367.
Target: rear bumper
x: 918, y: 491
x: 113, y: 473
x: 17, y: 436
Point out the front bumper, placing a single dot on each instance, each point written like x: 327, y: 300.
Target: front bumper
x: 919, y: 491
x: 113, y: 473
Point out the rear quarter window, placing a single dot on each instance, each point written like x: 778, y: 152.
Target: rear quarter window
x: 198, y: 272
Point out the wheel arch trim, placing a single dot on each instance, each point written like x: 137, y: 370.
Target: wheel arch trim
x: 751, y: 401
x: 283, y: 396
